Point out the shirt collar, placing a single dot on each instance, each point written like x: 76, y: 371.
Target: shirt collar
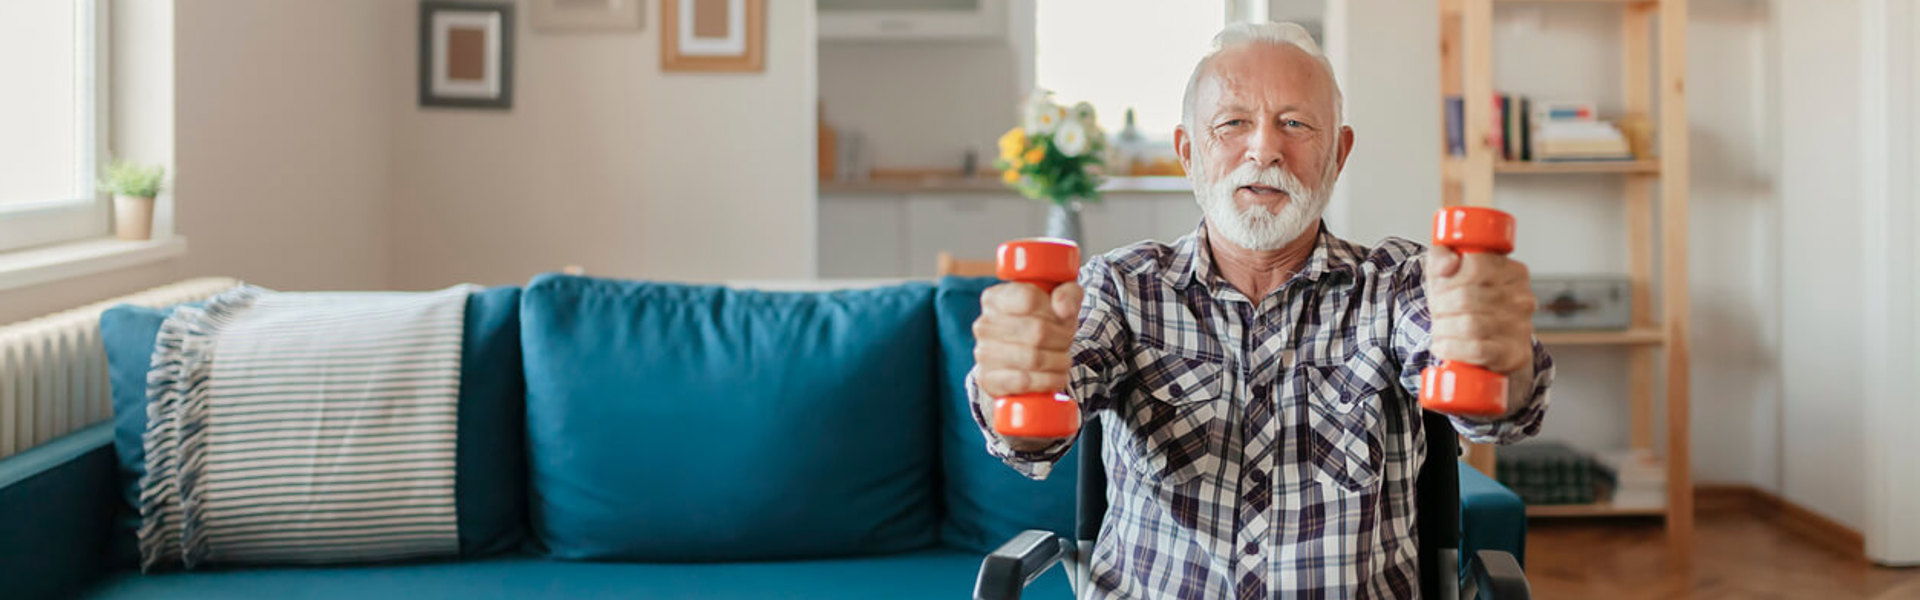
x: 1193, y: 259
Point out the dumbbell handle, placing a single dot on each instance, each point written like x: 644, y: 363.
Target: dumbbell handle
x: 1455, y: 387
x: 1045, y: 263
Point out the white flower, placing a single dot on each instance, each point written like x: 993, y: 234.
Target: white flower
x: 1041, y: 115
x: 1071, y: 139
x: 1042, y: 120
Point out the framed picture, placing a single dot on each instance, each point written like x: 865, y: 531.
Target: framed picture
x: 588, y: 15
x: 466, y: 54
x: 713, y: 35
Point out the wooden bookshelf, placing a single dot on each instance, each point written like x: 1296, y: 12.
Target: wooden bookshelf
x: 1551, y: 168
x: 1653, y: 67
x: 1623, y: 337
x: 1597, y: 509
x: 1454, y: 167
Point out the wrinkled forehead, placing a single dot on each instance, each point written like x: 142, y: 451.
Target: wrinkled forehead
x: 1264, y: 76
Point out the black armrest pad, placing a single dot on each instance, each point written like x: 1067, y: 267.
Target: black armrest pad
x: 1006, y: 572
x: 1500, y: 577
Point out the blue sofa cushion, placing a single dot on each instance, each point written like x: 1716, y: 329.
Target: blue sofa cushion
x: 987, y: 502
x: 940, y: 573
x: 489, y: 470
x: 690, y: 423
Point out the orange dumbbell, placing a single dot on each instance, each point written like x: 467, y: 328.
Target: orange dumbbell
x: 1045, y: 263
x: 1453, y: 387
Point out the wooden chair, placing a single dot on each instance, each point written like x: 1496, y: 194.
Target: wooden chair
x: 948, y: 265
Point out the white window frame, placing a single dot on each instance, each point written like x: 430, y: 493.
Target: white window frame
x: 56, y: 220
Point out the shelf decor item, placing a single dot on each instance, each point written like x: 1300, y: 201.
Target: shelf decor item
x: 1055, y: 155
x: 133, y: 187
x: 466, y: 54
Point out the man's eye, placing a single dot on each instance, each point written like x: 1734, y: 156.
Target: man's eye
x: 1234, y: 123
x: 1294, y: 123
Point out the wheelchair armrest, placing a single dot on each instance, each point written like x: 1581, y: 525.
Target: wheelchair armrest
x: 1499, y: 576
x: 1006, y: 572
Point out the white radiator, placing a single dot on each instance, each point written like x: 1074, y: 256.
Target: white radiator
x: 53, y: 370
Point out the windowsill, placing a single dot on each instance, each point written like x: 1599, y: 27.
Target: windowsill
x: 35, y: 266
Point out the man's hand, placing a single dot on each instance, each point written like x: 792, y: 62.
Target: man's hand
x: 1482, y: 309
x: 1022, y: 343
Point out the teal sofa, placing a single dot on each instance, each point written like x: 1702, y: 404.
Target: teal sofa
x: 664, y: 441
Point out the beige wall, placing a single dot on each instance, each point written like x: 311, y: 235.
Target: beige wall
x: 920, y: 105
x: 280, y: 145
x: 1823, y: 410
x: 302, y: 161
x: 607, y: 162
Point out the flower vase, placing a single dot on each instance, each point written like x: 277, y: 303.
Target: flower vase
x: 1063, y: 220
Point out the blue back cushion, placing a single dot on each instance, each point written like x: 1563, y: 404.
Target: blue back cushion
x: 987, y: 502
x: 691, y: 423
x: 489, y: 470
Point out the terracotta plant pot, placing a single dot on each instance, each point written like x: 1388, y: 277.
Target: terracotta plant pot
x: 132, y: 218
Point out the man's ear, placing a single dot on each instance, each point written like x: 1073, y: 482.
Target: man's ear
x: 1183, y: 146
x: 1346, y: 145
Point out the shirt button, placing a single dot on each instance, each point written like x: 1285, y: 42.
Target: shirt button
x: 1174, y: 389
x: 1252, y: 548
x: 1258, y: 476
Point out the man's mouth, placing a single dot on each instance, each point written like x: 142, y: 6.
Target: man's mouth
x: 1263, y: 190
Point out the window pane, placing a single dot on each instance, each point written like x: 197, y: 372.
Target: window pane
x: 1118, y: 54
x: 39, y: 112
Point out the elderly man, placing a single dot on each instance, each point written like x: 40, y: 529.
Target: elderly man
x: 1257, y: 378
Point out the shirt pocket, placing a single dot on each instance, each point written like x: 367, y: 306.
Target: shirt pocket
x: 1177, y: 416
x: 1340, y: 429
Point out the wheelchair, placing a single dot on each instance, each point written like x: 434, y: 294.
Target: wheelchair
x: 1488, y: 574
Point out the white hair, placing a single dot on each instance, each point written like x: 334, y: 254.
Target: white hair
x: 1244, y: 34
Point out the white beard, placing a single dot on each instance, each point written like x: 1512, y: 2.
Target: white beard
x: 1257, y: 228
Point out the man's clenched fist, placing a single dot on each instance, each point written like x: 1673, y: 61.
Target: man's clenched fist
x: 1482, y: 309
x: 1022, y: 339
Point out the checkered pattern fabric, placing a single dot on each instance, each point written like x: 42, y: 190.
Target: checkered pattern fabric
x: 1258, y: 449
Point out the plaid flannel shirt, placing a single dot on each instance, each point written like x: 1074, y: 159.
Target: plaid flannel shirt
x: 1258, y: 450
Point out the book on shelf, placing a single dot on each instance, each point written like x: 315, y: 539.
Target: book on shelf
x: 1549, y: 131
x: 1456, y: 126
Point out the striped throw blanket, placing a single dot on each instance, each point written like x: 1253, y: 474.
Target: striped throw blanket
x: 303, y: 428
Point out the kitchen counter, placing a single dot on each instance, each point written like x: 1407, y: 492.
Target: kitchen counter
x: 992, y: 185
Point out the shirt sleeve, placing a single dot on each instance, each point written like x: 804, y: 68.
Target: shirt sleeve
x: 1099, y: 345
x: 1412, y: 336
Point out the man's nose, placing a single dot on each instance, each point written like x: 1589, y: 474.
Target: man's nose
x: 1264, y: 146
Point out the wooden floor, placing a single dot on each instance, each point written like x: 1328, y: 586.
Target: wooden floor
x: 1739, y: 555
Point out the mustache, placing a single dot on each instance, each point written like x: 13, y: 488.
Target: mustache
x: 1267, y: 176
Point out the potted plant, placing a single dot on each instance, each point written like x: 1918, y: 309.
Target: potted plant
x: 133, y: 187
x: 1054, y: 155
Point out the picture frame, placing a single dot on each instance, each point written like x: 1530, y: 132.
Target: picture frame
x: 466, y: 54
x: 564, y: 16
x: 713, y: 35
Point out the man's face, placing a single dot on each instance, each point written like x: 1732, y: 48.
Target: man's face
x: 1265, y: 148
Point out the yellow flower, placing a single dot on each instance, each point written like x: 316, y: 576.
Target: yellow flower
x: 1013, y: 143
x: 1034, y: 155
x: 1011, y: 175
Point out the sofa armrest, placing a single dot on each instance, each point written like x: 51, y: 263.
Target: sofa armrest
x: 56, y: 515
x: 1006, y: 573
x: 1498, y: 576
x: 1492, y: 517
